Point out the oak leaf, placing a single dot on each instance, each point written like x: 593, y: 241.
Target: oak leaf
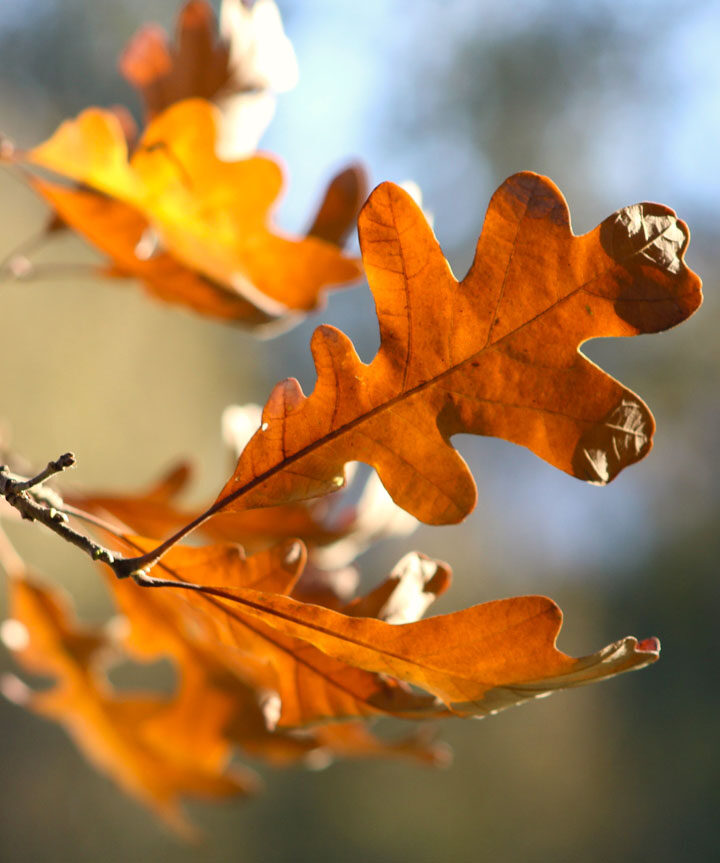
x: 233, y: 689
x: 339, y: 209
x: 311, y: 686
x: 150, y: 745
x: 239, y: 68
x: 477, y: 661
x: 196, y: 66
x: 192, y: 199
x: 496, y: 354
x: 121, y: 233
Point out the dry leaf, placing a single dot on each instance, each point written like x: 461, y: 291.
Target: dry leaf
x: 122, y: 234
x: 339, y: 210
x: 311, y: 686
x: 176, y: 182
x: 496, y: 354
x: 477, y: 661
x: 239, y: 68
x: 151, y: 745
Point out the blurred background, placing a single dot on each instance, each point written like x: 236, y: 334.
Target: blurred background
x: 618, y: 103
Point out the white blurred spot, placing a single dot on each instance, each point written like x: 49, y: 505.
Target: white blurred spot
x: 271, y: 707
x: 14, y: 634
x: 14, y: 689
x: 318, y: 759
x: 148, y: 245
x: 292, y: 555
x: 239, y: 424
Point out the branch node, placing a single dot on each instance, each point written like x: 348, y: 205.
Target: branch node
x: 103, y: 555
x: 141, y: 577
x: 57, y: 516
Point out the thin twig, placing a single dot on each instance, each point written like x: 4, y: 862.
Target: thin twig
x: 60, y: 464
x: 30, y: 273
x: 18, y: 492
x: 23, y: 249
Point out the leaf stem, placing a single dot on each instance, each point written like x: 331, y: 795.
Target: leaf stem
x: 137, y: 566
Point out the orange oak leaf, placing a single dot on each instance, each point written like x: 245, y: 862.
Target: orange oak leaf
x: 190, y: 198
x: 121, y: 233
x: 335, y: 530
x: 311, y: 686
x: 339, y: 210
x: 240, y: 68
x: 150, y: 745
x: 198, y: 65
x: 496, y: 354
x: 477, y: 661
x: 163, y: 623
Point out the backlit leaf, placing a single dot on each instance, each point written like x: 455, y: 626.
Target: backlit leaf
x: 149, y: 744
x: 496, y: 354
x: 211, y: 216
x: 477, y: 661
x: 239, y: 68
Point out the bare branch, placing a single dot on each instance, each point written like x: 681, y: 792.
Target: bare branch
x: 36, y: 504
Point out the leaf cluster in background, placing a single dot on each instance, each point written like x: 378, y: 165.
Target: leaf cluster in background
x: 276, y: 655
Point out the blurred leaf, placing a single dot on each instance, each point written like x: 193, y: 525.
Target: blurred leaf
x: 154, y: 747
x: 238, y: 69
x: 211, y: 216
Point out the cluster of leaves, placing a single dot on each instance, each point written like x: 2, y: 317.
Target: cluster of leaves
x: 270, y: 644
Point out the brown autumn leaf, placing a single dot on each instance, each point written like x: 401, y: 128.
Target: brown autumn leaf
x: 120, y: 232
x: 152, y: 746
x: 197, y: 65
x: 311, y: 686
x: 163, y: 623
x: 339, y: 210
x: 176, y: 183
x: 496, y: 354
x: 239, y: 68
x: 477, y: 661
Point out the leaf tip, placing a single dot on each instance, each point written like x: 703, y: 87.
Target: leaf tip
x: 649, y: 645
x: 621, y: 438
